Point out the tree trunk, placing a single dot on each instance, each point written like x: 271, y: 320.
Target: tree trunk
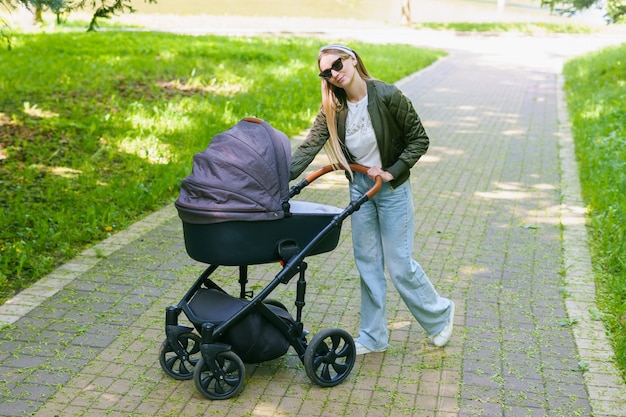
x: 38, y: 13
x: 406, y: 13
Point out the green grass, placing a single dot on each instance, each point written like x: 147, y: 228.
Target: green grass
x: 98, y: 129
x: 529, y: 28
x: 595, y: 86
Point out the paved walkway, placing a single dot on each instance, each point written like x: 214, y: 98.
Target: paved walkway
x: 499, y: 228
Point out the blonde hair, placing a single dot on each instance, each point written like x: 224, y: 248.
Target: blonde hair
x: 334, y: 99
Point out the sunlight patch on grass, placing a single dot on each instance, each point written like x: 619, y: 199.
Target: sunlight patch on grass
x: 158, y: 118
x: 214, y: 87
x: 167, y: 56
x: 64, y: 172
x: 148, y: 148
x: 35, y: 111
x: 289, y: 69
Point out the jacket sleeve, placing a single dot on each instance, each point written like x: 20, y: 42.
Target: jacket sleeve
x: 415, y: 138
x: 314, y: 142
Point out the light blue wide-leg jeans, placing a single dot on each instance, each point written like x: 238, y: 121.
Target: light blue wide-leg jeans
x: 382, y: 235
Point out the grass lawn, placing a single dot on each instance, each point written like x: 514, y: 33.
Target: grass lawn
x: 595, y: 87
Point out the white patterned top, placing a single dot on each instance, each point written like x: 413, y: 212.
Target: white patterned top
x: 360, y: 136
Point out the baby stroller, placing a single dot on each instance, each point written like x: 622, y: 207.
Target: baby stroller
x: 236, y: 211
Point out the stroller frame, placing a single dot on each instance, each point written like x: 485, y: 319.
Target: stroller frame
x: 218, y: 371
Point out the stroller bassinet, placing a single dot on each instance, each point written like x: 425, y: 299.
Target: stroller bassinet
x: 235, y: 204
x: 235, y: 211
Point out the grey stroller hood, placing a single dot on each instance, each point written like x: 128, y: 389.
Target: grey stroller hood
x: 242, y: 175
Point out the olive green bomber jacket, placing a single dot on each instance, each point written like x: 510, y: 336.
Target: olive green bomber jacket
x: 401, y: 137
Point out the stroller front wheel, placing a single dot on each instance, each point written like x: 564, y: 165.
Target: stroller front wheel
x: 329, y: 358
x: 222, y: 380
x: 173, y: 364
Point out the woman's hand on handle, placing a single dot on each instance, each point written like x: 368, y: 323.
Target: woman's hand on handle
x: 377, y: 178
x: 374, y: 172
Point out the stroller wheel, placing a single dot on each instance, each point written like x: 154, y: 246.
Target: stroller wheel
x: 175, y: 366
x: 223, y: 380
x: 329, y: 357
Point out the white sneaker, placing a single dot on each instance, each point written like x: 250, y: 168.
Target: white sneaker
x: 443, y: 336
x: 362, y: 350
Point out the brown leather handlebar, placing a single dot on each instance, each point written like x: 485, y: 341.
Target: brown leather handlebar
x: 355, y: 167
x: 252, y: 119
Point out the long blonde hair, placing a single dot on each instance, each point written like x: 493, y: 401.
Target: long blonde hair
x: 334, y: 99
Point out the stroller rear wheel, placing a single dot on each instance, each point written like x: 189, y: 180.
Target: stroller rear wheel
x: 222, y: 380
x: 175, y: 366
x: 329, y: 357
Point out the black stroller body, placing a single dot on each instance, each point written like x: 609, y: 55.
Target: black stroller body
x: 225, y: 224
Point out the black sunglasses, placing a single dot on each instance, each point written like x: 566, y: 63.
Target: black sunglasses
x: 337, y: 66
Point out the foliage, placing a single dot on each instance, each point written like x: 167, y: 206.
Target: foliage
x: 4, y: 35
x: 595, y: 86
x: 103, y: 9
x: 98, y: 129
x: 615, y: 9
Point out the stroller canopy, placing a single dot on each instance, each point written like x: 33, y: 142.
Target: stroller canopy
x: 242, y: 175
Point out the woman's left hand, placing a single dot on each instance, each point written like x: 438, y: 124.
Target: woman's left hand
x: 374, y: 172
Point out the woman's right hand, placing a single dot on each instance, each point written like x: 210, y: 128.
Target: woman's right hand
x: 374, y: 172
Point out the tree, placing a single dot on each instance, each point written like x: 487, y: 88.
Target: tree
x: 615, y: 9
x: 406, y: 13
x: 102, y: 8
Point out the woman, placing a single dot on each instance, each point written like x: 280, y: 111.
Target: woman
x: 371, y: 123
